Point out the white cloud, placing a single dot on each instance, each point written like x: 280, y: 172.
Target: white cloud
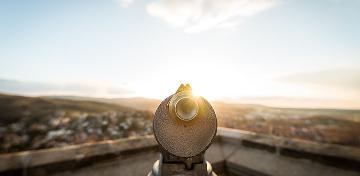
x: 78, y: 89
x: 343, y: 83
x: 125, y: 3
x: 200, y: 15
x: 343, y: 78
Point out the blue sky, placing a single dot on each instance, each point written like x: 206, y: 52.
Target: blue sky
x: 239, y: 50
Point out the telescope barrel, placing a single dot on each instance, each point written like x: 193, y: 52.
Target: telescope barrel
x: 184, y: 126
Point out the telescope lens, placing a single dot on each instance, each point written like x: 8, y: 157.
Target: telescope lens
x: 186, y: 108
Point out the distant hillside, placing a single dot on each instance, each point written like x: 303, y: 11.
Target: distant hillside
x: 266, y: 112
x: 123, y: 117
x: 13, y: 108
x: 28, y: 123
x: 222, y: 107
x: 136, y: 103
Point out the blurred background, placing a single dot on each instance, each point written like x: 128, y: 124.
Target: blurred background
x: 75, y: 72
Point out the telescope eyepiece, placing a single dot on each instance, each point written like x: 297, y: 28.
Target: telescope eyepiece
x: 184, y: 106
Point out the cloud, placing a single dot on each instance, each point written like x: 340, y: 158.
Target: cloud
x: 125, y: 3
x: 118, y: 91
x: 348, y: 79
x: 200, y: 15
x: 38, y: 88
x: 14, y: 86
x: 298, y: 102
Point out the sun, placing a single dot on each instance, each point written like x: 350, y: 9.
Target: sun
x: 207, y: 79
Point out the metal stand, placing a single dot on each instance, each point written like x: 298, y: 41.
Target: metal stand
x: 180, y: 169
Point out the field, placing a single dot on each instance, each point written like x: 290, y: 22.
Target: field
x: 30, y: 123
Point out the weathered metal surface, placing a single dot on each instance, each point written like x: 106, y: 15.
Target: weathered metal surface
x: 185, y: 138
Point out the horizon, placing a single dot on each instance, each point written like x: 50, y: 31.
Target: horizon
x: 278, y: 53
x: 223, y: 101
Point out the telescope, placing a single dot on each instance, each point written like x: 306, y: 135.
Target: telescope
x: 184, y: 127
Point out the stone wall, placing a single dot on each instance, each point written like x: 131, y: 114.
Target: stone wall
x: 233, y: 151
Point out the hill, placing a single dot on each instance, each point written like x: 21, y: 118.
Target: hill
x: 13, y: 108
x: 28, y: 123
x: 139, y: 103
x: 323, y: 125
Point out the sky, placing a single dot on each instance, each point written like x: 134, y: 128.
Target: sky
x: 287, y: 53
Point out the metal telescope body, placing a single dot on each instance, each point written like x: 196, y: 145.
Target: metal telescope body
x: 184, y: 126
